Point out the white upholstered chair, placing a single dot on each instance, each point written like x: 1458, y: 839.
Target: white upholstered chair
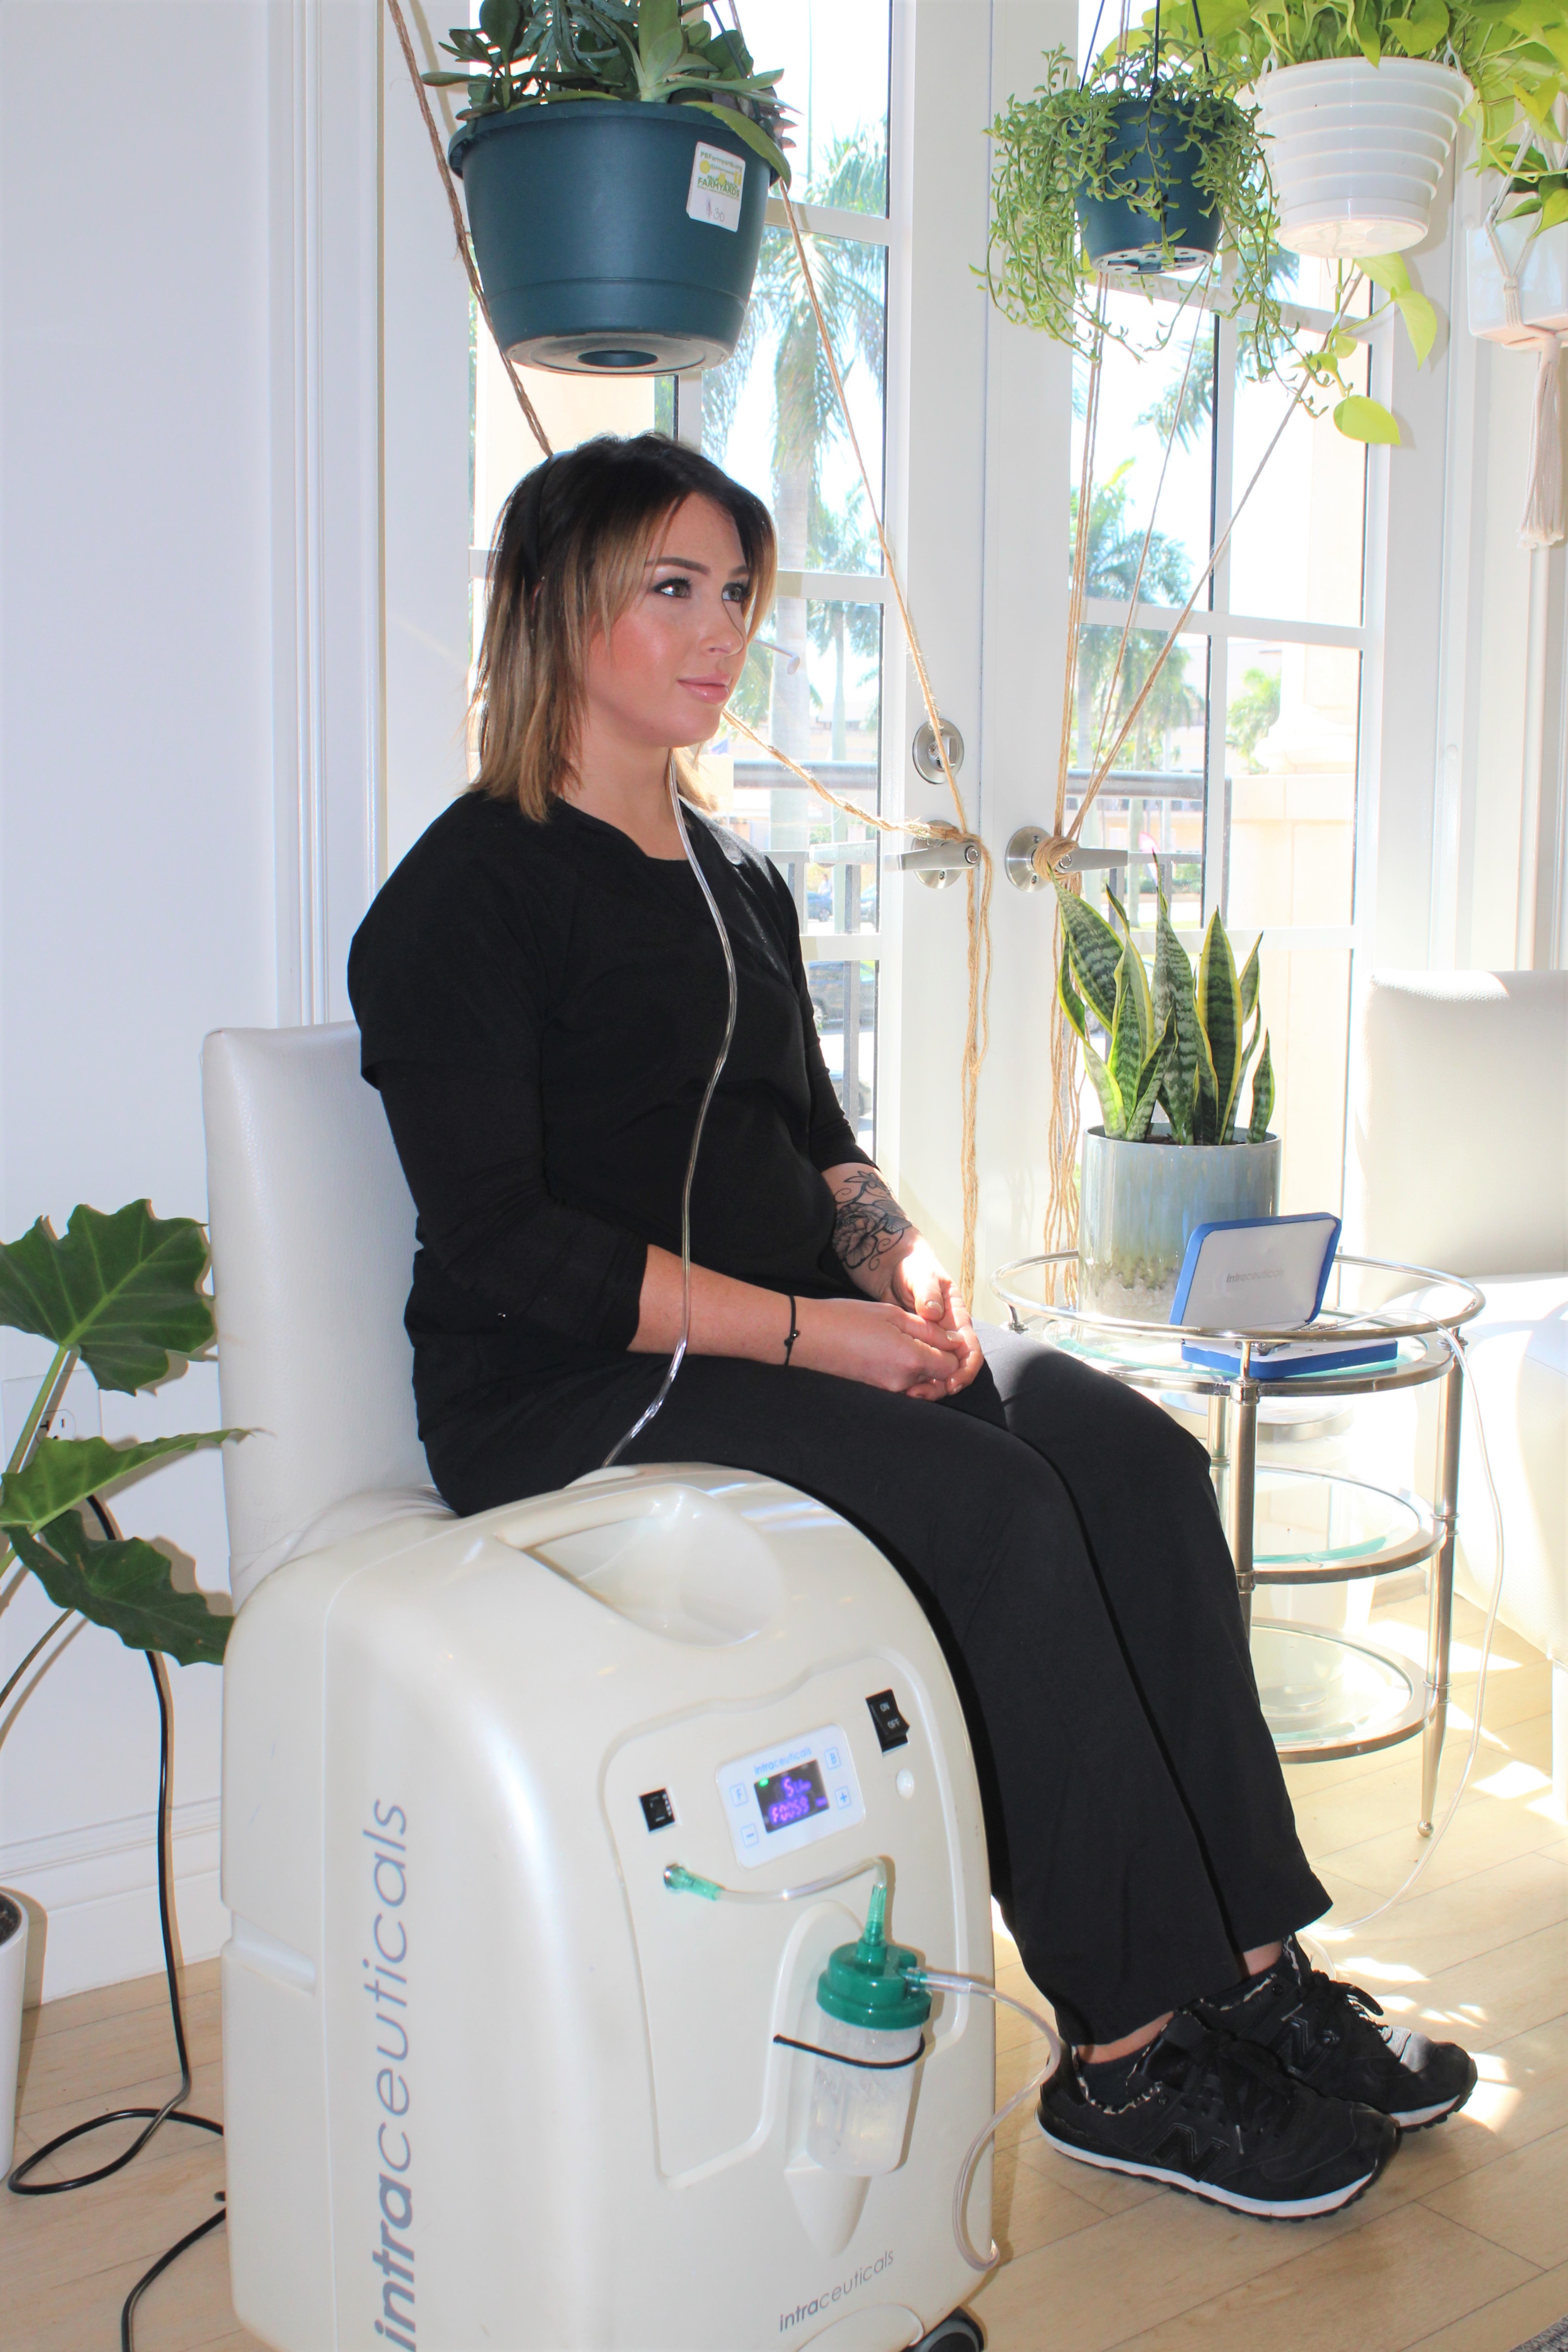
x: 312, y: 1232
x: 1459, y: 1159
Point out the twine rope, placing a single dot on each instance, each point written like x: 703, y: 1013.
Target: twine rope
x: 460, y: 226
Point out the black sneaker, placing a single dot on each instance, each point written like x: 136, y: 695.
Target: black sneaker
x: 1326, y: 2034
x: 1218, y: 2118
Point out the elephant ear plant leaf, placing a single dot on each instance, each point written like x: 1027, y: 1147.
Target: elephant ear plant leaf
x: 1179, y: 1041
x: 123, y: 1294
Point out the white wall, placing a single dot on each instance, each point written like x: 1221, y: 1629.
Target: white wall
x: 200, y: 718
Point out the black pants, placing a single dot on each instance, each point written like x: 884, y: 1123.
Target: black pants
x: 1061, y: 1533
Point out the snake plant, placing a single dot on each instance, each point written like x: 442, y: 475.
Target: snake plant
x: 1177, y: 1041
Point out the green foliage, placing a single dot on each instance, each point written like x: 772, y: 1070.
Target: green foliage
x: 121, y: 1290
x: 1251, y: 711
x: 124, y: 1294
x: 1514, y: 54
x: 124, y: 1585
x: 1052, y: 147
x: 653, y: 52
x: 1179, y: 1041
x: 62, y: 1472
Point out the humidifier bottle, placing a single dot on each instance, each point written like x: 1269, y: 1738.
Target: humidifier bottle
x: 868, y: 2031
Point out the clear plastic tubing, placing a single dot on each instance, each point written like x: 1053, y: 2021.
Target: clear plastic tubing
x: 678, y: 1358
x: 942, y: 1981
x: 682, y: 1880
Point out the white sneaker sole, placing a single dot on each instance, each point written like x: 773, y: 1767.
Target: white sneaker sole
x: 1301, y: 2209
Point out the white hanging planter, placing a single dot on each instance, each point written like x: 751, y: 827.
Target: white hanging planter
x: 1355, y: 151
x: 1517, y: 282
x: 1518, y: 296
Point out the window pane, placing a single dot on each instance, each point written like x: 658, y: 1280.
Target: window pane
x: 571, y: 408
x: 843, y: 998
x: 770, y: 415
x: 1296, y: 551
x: 1304, y: 994
x: 1290, y: 762
x: 834, y: 54
x: 1144, y: 393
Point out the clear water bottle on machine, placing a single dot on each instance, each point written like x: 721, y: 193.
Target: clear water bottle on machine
x: 869, y: 2032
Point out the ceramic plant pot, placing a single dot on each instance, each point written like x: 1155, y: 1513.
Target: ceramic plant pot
x: 1139, y: 1203
x: 1355, y: 151
x: 13, y: 1974
x: 612, y: 236
x: 1118, y: 237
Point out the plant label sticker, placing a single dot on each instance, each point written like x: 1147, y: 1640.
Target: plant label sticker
x: 717, y: 180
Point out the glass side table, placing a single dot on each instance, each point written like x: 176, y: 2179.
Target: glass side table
x: 1324, y: 1695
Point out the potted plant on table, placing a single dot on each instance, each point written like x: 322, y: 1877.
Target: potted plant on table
x: 123, y: 1295
x: 616, y: 157
x: 1176, y: 1041
x: 1143, y: 166
x: 1359, y: 100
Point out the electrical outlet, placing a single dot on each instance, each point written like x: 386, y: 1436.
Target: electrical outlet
x: 78, y: 1414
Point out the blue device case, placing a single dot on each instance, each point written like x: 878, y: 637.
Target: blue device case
x: 1285, y: 1359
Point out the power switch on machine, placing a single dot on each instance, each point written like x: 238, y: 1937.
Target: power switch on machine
x: 892, y: 1730
x: 657, y: 1810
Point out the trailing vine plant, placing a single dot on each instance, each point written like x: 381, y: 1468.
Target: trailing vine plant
x: 1062, y: 143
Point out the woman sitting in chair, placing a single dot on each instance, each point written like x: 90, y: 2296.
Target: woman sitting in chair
x: 542, y: 992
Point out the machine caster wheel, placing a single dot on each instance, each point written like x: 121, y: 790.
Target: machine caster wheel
x: 956, y: 2333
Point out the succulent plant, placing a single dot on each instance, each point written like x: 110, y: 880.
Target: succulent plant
x: 656, y: 52
x: 1177, y: 1041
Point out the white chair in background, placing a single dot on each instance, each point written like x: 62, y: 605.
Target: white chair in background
x: 312, y: 1232
x: 1459, y: 1159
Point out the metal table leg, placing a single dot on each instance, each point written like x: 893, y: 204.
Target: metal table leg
x: 1440, y: 1609
x: 1241, y: 1483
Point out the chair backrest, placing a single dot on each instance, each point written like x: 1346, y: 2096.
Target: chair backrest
x: 1459, y: 1151
x: 312, y: 1232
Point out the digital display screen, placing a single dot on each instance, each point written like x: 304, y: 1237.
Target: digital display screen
x: 792, y: 1795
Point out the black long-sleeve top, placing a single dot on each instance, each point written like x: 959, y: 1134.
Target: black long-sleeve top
x: 540, y: 1005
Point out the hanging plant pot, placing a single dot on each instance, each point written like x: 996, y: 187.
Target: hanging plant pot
x: 610, y: 236
x: 1150, y: 154
x: 13, y: 1975
x: 1355, y: 151
x: 1536, y: 260
x: 1139, y: 1203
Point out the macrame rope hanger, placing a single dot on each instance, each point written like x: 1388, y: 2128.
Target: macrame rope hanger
x: 1544, y: 523
x: 978, y: 867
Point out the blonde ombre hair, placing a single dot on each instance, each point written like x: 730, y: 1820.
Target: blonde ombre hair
x: 569, y: 558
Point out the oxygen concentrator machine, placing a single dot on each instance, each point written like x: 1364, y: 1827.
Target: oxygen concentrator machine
x: 513, y: 2057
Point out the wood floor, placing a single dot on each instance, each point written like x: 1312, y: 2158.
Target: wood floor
x: 1462, y: 2246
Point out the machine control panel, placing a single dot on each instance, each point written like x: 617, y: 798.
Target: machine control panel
x: 892, y: 1730
x: 787, y: 1796
x: 657, y: 1810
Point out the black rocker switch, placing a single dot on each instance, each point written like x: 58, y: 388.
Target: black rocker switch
x: 657, y: 1810
x: 892, y: 1730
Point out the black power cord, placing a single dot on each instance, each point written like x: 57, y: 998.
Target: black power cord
x: 171, y: 2112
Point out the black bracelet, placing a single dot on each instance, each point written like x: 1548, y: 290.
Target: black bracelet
x: 794, y: 1329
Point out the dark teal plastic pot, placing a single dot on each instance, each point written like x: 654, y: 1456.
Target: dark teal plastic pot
x: 587, y: 252
x: 1118, y: 237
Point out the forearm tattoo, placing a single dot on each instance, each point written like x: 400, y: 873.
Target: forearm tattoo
x: 868, y: 1222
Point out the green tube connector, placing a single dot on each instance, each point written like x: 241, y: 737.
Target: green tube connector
x: 682, y: 1880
